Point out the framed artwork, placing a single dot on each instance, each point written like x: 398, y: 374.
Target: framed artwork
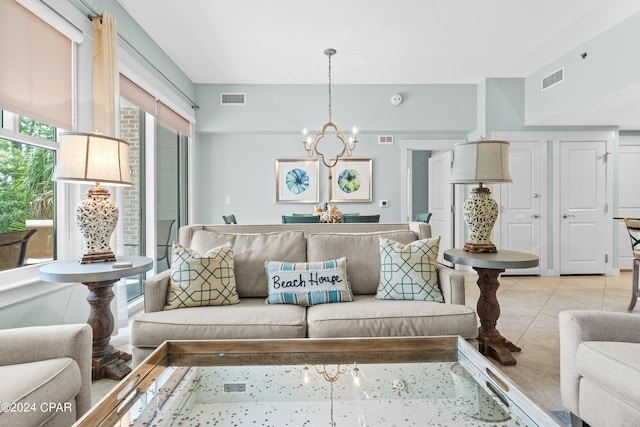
x: 297, y: 181
x: 351, y: 181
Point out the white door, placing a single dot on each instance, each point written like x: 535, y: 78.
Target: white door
x: 582, y: 207
x: 440, y: 200
x: 520, y: 216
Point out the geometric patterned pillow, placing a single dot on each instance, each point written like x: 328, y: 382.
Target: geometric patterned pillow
x: 196, y: 281
x: 308, y: 283
x: 408, y: 272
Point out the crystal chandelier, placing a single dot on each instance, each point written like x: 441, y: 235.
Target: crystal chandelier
x: 311, y: 146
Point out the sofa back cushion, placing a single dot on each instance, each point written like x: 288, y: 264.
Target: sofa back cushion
x: 362, y: 251
x: 250, y: 251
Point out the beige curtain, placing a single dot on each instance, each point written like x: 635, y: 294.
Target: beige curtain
x: 105, y: 74
x: 106, y: 93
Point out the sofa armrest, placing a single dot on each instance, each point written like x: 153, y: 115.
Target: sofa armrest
x: 451, y: 284
x: 577, y: 326
x: 36, y: 343
x: 155, y: 291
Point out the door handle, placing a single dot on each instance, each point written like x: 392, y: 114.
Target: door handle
x: 535, y: 216
x: 536, y: 195
x: 568, y: 216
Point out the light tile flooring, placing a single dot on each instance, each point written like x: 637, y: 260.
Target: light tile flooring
x: 529, y: 318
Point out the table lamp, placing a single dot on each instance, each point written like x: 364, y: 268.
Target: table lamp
x: 480, y: 162
x: 88, y: 157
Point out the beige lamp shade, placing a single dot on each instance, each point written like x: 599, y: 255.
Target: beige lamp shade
x: 485, y: 161
x: 87, y: 157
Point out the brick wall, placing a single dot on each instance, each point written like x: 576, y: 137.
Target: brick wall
x: 130, y: 216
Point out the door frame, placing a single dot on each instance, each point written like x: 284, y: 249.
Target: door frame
x: 554, y: 139
x: 407, y: 146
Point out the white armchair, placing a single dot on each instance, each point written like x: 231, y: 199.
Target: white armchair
x: 45, y: 375
x: 600, y: 367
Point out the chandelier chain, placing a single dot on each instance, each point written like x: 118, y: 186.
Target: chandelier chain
x: 330, y: 87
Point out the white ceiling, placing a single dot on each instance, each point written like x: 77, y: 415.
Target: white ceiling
x: 383, y: 41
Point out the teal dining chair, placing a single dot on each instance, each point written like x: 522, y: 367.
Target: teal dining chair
x: 291, y: 219
x: 423, y: 217
x: 361, y: 218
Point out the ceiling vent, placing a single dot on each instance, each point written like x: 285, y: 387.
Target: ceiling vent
x: 553, y: 79
x: 385, y: 139
x: 233, y: 98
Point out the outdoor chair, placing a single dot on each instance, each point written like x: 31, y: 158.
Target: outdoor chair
x: 13, y: 248
x: 163, y: 251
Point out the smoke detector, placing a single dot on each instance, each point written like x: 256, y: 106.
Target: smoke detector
x: 396, y: 99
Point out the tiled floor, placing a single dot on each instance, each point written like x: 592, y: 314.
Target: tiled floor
x: 529, y: 318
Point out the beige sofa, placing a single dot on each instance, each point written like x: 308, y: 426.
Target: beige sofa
x: 600, y: 367
x: 45, y: 375
x: 253, y: 318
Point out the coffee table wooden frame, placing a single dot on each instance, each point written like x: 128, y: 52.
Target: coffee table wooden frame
x: 301, y: 351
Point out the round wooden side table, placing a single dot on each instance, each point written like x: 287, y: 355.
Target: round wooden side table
x: 489, y: 266
x: 100, y: 277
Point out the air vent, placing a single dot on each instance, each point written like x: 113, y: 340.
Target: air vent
x: 235, y: 387
x: 553, y: 79
x: 233, y: 98
x: 385, y: 139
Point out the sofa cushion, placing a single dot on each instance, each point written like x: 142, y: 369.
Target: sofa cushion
x: 201, y: 280
x: 370, y: 317
x: 41, y: 382
x: 608, y: 365
x: 362, y: 253
x: 408, y: 272
x: 308, y: 283
x: 249, y: 319
x: 250, y: 251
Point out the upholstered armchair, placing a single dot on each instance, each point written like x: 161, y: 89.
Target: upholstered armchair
x: 600, y: 367
x: 45, y: 375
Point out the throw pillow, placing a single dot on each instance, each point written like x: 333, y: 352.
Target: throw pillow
x: 408, y: 271
x: 308, y: 283
x: 201, y: 280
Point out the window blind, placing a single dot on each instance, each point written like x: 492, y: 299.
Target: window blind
x: 169, y: 117
x: 35, y: 67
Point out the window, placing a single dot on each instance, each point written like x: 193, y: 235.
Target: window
x: 27, y: 160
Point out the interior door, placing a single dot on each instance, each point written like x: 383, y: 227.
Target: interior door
x: 582, y: 207
x: 441, y: 200
x: 520, y: 215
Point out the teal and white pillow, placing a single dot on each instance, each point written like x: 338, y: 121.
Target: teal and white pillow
x: 308, y: 283
x: 201, y: 280
x: 408, y: 272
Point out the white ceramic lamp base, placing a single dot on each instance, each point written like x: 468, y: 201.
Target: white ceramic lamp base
x: 96, y: 217
x: 480, y: 214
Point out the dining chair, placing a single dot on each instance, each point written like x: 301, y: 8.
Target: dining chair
x: 291, y: 219
x: 361, y: 218
x: 229, y: 219
x: 633, y: 227
x: 423, y: 217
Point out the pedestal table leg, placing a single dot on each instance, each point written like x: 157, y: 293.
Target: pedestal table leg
x: 107, y: 361
x: 490, y: 342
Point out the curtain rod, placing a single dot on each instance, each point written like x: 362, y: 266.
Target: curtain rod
x: 94, y: 14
